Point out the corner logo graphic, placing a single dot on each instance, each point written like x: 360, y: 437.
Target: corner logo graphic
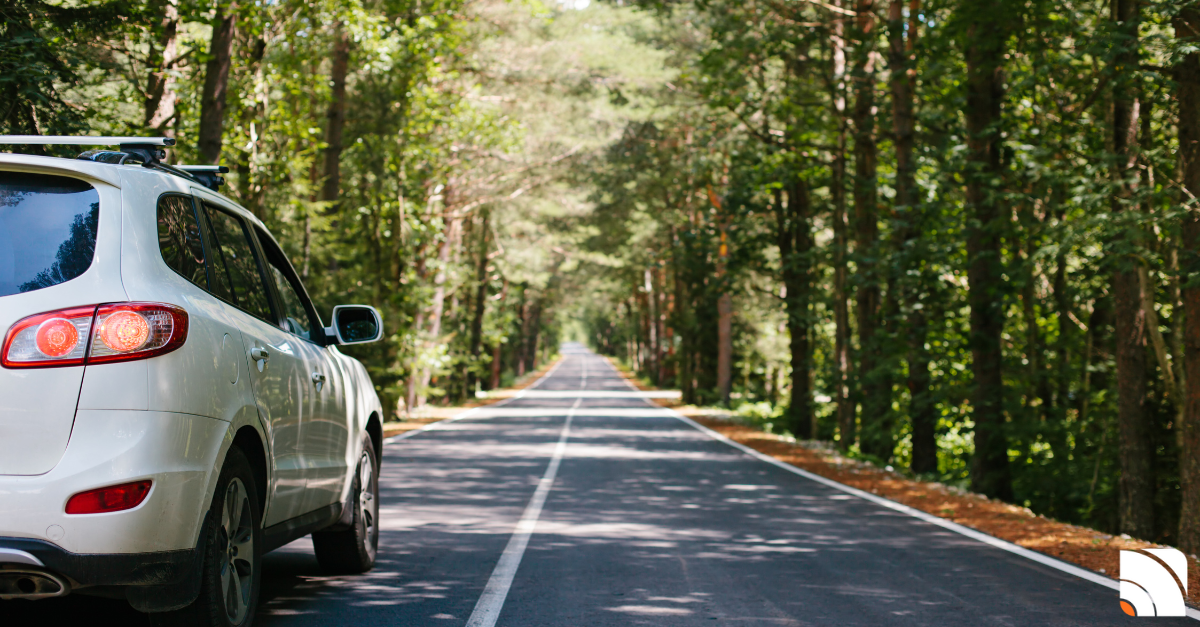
x: 1147, y: 585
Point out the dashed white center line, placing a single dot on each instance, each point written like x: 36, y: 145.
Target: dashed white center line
x: 487, y: 609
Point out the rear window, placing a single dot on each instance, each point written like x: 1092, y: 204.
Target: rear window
x: 47, y: 230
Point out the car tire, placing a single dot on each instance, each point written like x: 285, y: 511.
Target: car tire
x: 353, y: 550
x: 231, y: 571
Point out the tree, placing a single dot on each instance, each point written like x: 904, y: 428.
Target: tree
x: 39, y: 56
x: 216, y: 83
x: 985, y: 26
x: 902, y: 40
x: 1136, y: 485
x: 1187, y: 76
x: 873, y: 379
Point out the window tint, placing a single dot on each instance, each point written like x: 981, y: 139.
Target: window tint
x: 234, y: 259
x: 47, y: 230
x: 296, y: 314
x: 179, y: 238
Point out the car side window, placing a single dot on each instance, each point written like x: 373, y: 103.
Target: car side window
x: 298, y: 316
x: 241, y: 283
x: 179, y: 238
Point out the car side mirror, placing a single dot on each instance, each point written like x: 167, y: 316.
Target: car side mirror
x: 355, y: 324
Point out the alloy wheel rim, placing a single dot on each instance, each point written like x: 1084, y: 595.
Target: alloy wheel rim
x: 367, y: 504
x: 237, y: 542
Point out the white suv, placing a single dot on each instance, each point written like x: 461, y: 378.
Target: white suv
x: 171, y: 406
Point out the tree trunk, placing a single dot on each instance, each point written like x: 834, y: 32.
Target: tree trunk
x: 497, y: 359
x: 1187, y: 77
x: 795, y: 251
x: 724, y: 322
x: 984, y: 50
x: 667, y: 333
x: 336, y: 123
x: 876, y: 435
x: 652, y: 311
x: 1037, y: 396
x: 216, y: 84
x: 412, y: 394
x: 1175, y: 337
x: 247, y: 192
x: 498, y: 349
x: 909, y: 222
x: 1166, y: 356
x: 159, y: 104
x: 481, y: 279
x: 1066, y: 327
x: 1136, y: 485
x: 682, y: 323
x: 535, y: 327
x: 725, y: 347
x: 438, y: 303
x: 841, y: 310
x: 523, y: 341
x: 643, y: 322
x: 1157, y: 341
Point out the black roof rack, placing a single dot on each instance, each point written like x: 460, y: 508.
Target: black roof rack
x: 147, y: 151
x: 207, y: 175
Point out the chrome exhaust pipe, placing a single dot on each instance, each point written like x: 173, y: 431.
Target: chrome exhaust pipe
x: 31, y: 584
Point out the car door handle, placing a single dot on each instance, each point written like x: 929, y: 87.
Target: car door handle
x: 260, y: 356
x: 319, y: 380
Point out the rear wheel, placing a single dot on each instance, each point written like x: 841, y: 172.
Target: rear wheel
x: 353, y: 550
x: 232, y: 560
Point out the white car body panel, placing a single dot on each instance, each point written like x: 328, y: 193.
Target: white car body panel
x: 176, y: 451
x: 170, y: 418
x: 325, y: 440
x: 284, y: 408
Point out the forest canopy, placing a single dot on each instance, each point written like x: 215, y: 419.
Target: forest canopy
x: 954, y: 237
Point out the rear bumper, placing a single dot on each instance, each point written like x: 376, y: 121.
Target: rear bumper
x: 157, y: 581
x: 177, y: 452
x: 107, y: 569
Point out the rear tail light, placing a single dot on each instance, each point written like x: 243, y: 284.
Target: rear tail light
x: 114, y: 498
x: 55, y: 338
x: 129, y: 331
x: 94, y: 335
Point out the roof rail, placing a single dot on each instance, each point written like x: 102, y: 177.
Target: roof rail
x: 206, y: 174
x: 146, y: 150
x: 84, y: 140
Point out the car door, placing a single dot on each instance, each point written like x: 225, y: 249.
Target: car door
x: 324, y: 438
x: 280, y: 367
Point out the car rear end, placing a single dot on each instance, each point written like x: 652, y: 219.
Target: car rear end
x: 97, y: 488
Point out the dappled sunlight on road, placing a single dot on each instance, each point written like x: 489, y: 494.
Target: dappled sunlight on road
x: 648, y: 522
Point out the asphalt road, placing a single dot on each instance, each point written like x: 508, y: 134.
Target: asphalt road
x: 643, y: 520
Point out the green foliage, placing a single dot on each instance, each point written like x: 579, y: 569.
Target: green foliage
x: 40, y: 56
x: 758, y: 102
x: 609, y: 174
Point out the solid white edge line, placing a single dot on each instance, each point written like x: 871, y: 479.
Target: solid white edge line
x: 468, y: 413
x: 1004, y: 545
x: 491, y: 602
